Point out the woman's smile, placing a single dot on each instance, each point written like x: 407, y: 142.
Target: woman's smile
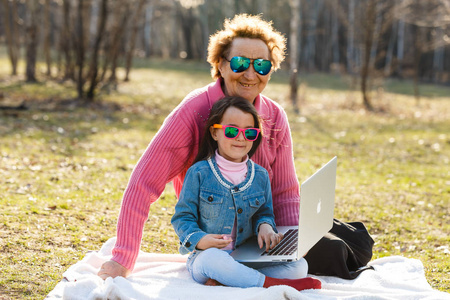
x: 247, y: 84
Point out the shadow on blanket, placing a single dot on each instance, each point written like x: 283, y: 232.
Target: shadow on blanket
x: 164, y: 276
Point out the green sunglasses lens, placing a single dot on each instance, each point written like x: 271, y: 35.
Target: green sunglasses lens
x: 231, y: 132
x: 251, y: 134
x: 239, y: 64
x: 262, y: 66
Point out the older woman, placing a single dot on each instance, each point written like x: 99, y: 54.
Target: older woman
x: 242, y: 55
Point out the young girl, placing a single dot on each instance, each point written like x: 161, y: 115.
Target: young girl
x: 226, y: 198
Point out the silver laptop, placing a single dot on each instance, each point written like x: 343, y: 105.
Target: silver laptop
x: 315, y: 219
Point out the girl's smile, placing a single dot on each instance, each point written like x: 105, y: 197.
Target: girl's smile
x: 234, y: 149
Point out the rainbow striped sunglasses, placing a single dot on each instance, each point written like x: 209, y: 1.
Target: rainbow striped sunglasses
x: 231, y: 132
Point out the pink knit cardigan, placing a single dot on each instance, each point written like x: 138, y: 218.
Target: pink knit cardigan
x: 172, y: 151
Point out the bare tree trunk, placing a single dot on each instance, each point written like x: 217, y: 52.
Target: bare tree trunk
x: 93, y: 70
x: 112, y: 44
x: 351, y: 37
x: 137, y: 23
x: 390, y: 50
x: 148, y: 29
x: 311, y: 31
x: 368, y: 42
x: 79, y: 44
x: 117, y: 41
x: 335, y: 35
x: 376, y: 33
x: 419, y: 39
x: 293, y: 54
x: 186, y: 18
x: 11, y: 32
x: 31, y: 22
x: 204, y: 29
x: 438, y: 56
x: 400, y: 46
x: 66, y: 40
x: 57, y: 21
x: 47, y: 36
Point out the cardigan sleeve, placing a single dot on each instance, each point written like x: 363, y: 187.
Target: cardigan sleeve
x: 285, y: 185
x: 167, y: 155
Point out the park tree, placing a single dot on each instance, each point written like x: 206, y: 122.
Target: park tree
x: 138, y: 16
x: 88, y: 40
x: 92, y: 76
x: 430, y: 35
x: 47, y: 34
x: 32, y: 20
x: 114, y: 39
x: 293, y: 52
x: 66, y: 40
x: 12, y: 27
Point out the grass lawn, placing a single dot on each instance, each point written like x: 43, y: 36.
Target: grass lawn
x: 63, y: 168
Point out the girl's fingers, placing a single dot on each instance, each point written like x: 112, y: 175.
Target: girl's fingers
x: 260, y: 241
x: 274, y: 241
x: 268, y: 243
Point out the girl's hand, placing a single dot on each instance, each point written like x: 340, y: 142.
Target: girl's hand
x: 213, y: 241
x: 267, y: 236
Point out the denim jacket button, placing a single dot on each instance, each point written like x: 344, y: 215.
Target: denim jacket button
x: 188, y: 244
x: 210, y: 198
x: 236, y: 189
x: 257, y: 202
x: 239, y: 211
x: 241, y: 230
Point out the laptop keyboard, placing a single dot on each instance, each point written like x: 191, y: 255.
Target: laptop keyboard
x: 287, y: 246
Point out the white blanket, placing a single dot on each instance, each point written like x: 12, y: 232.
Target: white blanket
x: 164, y: 276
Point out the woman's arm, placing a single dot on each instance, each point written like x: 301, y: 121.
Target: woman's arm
x: 166, y: 156
x: 285, y: 185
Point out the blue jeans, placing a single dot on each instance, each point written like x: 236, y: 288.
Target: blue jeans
x: 219, y: 265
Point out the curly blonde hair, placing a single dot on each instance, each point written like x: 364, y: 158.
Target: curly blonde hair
x: 245, y: 26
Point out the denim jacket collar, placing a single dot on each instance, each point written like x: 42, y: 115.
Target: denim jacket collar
x: 240, y: 187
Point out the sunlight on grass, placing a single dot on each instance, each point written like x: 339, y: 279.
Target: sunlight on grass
x: 63, y: 171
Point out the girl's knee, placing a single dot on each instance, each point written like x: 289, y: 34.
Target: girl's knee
x: 209, y: 254
x: 302, y: 267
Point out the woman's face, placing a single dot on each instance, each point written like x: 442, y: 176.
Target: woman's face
x: 247, y: 84
x: 236, y: 149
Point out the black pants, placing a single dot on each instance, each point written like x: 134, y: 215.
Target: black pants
x: 343, y: 252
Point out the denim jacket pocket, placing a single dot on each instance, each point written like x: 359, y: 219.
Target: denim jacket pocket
x: 255, y: 200
x: 210, y: 203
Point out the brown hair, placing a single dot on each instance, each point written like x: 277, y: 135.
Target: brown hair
x: 208, y: 145
x: 245, y: 26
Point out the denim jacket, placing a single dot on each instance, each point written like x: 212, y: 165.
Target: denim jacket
x: 208, y: 204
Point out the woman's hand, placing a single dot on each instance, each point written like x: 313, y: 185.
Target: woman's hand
x: 113, y: 269
x: 267, y: 236
x: 213, y: 241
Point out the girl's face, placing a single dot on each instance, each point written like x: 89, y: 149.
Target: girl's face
x: 234, y: 150
x: 247, y: 84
